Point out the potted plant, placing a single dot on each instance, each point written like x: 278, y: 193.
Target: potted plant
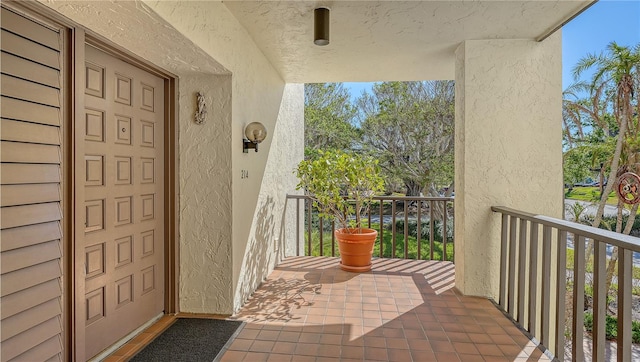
x: 342, y: 186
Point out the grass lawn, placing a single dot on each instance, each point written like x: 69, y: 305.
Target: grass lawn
x: 589, y: 194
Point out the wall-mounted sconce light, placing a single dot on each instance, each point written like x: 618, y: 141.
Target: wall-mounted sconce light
x: 321, y: 26
x: 255, y: 133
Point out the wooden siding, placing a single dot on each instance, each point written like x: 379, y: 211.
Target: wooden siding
x: 30, y: 191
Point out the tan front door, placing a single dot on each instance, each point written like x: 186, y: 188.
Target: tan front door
x: 120, y: 198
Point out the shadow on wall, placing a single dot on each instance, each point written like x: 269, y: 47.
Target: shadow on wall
x: 291, y: 235
x: 259, y: 253
x: 292, y: 239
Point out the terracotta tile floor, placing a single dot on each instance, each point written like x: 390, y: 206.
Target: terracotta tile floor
x: 403, y: 310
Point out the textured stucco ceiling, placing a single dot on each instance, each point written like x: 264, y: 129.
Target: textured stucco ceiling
x: 389, y: 40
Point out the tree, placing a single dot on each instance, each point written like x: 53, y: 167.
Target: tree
x: 588, y: 154
x: 614, y: 78
x: 576, y: 164
x: 409, y: 127
x: 328, y: 115
x: 611, y: 92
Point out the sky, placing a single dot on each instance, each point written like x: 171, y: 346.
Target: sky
x: 590, y: 32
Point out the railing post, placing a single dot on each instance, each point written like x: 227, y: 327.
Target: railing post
x: 406, y: 230
x: 577, y: 341
x: 381, y: 228
x: 522, y: 263
x: 444, y: 232
x: 453, y: 236
x: 625, y: 263
x: 533, y: 277
x: 431, y: 229
x: 512, y: 267
x: 298, y: 227
x: 309, y: 216
x: 393, y: 229
x: 545, y: 333
x: 561, y: 284
x: 333, y: 238
x: 599, y: 299
x: 503, y: 262
x: 419, y: 228
x: 321, y: 227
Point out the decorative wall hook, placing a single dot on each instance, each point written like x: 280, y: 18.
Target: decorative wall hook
x: 201, y: 112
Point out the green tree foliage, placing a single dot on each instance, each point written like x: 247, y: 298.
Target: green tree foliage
x: 409, y: 127
x: 576, y: 165
x: 583, y: 159
x: 610, y: 107
x: 328, y: 115
x: 611, y: 94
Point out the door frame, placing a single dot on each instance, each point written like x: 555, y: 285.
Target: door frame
x: 75, y: 38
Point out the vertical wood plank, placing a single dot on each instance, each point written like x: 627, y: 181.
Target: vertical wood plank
x: 333, y: 238
x: 545, y: 332
x: 502, y: 299
x: 419, y: 228
x: 431, y: 229
x: 321, y: 227
x: 522, y: 260
x: 381, y: 228
x: 599, y: 299
x: 309, y: 217
x: 533, y: 278
x: 297, y: 227
x: 561, y: 283
x: 512, y: 267
x: 393, y: 229
x: 577, y: 338
x: 406, y: 231
x: 444, y: 231
x: 625, y: 263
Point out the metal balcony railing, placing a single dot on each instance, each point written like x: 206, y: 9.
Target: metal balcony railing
x: 547, y: 298
x: 408, y: 227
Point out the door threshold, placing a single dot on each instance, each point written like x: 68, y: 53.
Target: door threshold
x: 128, y: 346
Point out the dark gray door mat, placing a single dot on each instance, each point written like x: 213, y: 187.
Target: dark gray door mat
x: 190, y: 339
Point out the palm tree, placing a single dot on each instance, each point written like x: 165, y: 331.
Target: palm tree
x: 616, y: 68
x: 614, y: 73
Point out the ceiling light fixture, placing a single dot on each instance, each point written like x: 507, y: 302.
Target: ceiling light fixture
x: 321, y: 26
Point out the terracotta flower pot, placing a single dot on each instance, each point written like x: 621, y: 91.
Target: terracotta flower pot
x: 356, y: 249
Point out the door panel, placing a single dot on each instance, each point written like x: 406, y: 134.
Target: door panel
x: 121, y: 172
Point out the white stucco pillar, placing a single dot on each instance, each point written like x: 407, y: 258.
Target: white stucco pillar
x: 508, y: 147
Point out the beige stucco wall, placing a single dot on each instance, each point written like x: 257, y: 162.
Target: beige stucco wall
x: 508, y: 147
x: 204, y: 45
x: 259, y: 94
x: 205, y: 195
x: 272, y: 221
